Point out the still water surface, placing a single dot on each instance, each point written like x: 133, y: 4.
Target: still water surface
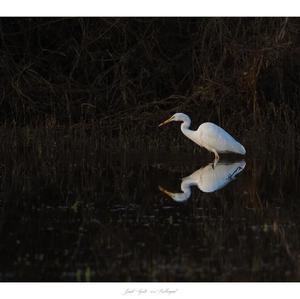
x: 154, y: 217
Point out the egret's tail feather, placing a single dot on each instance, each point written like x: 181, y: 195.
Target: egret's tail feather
x: 239, y: 149
x: 243, y: 150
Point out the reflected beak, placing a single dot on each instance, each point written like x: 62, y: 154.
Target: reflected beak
x: 166, y: 121
x: 170, y: 194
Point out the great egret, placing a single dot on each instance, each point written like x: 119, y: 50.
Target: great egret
x: 210, y: 136
x: 208, y: 179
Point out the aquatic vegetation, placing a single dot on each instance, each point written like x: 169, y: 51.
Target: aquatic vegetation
x: 73, y: 209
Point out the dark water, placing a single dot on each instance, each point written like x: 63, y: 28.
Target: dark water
x: 115, y: 220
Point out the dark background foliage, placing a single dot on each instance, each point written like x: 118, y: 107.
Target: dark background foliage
x: 70, y: 70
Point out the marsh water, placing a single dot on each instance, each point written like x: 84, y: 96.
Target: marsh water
x: 114, y: 216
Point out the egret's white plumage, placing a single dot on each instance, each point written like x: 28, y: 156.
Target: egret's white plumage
x: 208, y: 179
x: 208, y: 135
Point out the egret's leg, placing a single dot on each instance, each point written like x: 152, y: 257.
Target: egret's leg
x: 217, y: 157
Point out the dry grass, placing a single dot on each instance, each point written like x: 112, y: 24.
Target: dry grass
x: 127, y: 71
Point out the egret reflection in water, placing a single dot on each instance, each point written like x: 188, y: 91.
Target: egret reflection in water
x: 208, y: 179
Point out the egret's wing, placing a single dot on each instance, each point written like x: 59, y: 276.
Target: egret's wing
x: 212, y: 179
x: 213, y: 136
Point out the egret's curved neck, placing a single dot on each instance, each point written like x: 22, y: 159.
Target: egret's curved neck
x: 186, y: 191
x: 185, y: 127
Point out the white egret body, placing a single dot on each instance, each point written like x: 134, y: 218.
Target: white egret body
x: 210, y: 136
x: 208, y: 179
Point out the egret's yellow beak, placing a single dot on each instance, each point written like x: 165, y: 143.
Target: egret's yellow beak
x: 166, y: 121
x: 165, y: 191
